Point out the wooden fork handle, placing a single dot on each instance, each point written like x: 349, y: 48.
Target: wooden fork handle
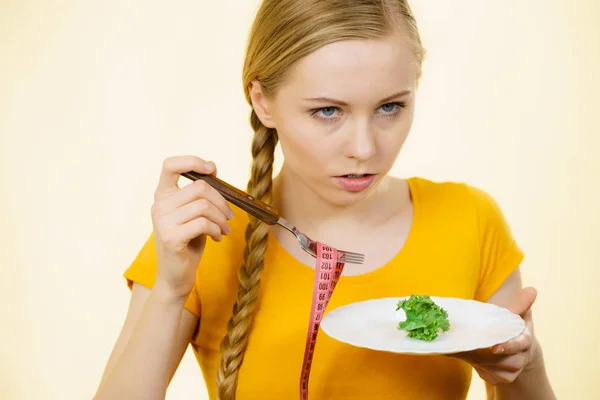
x: 243, y: 200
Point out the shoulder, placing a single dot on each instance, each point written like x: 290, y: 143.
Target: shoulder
x: 464, y: 212
x: 454, y: 195
x: 462, y: 206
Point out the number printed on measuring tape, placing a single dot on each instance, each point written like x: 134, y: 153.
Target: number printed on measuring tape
x: 327, y: 273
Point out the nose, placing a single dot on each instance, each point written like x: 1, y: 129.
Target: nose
x: 361, y: 142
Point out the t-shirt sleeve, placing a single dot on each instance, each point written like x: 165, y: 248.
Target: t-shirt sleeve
x: 143, y: 271
x: 500, y: 255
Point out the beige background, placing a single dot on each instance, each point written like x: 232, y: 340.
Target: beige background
x: 94, y: 94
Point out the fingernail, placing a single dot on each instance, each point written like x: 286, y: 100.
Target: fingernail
x: 227, y: 230
x: 230, y: 214
x: 499, y: 350
x: 209, y: 167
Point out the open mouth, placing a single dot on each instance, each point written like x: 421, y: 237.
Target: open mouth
x: 355, y: 182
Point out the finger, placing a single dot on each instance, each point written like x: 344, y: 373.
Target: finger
x: 486, y: 376
x: 512, y: 363
x: 173, y: 167
x: 497, y: 376
x: 201, y: 189
x: 192, y: 192
x: 520, y: 344
x: 479, y: 356
x: 201, y: 208
x: 197, y: 227
x: 523, y: 301
x: 214, y: 166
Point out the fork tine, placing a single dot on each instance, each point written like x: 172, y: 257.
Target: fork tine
x: 355, y: 256
x: 352, y: 260
x: 361, y: 259
x: 350, y: 253
x: 346, y: 261
x: 352, y: 257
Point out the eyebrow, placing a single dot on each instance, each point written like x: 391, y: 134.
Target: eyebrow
x: 342, y: 103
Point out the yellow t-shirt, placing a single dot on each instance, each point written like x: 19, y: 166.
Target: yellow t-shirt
x: 459, y: 245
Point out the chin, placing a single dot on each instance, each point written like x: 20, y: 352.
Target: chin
x: 345, y: 198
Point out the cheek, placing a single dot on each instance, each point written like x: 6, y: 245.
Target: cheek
x: 390, y: 141
x: 396, y: 136
x: 303, y: 150
x: 301, y: 141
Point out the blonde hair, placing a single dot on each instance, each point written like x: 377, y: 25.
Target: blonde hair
x: 283, y: 32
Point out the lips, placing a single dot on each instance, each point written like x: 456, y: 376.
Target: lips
x: 355, y: 182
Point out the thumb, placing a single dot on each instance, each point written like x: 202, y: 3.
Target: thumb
x: 523, y: 301
x: 214, y: 167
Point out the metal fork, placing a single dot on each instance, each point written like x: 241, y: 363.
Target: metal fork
x: 267, y: 214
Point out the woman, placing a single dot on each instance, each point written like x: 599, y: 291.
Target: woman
x: 334, y: 82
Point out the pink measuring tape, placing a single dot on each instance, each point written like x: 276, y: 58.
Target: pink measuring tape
x: 327, y: 273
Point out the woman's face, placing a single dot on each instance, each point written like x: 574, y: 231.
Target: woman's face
x: 343, y: 115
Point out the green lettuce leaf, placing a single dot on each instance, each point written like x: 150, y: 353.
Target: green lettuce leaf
x: 424, y: 318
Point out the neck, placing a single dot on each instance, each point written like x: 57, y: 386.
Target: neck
x: 308, y: 211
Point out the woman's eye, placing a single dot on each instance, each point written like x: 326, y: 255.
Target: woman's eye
x: 328, y: 111
x: 390, y: 107
x: 330, y: 114
x: 392, y: 110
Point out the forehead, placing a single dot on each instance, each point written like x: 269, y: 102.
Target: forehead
x: 355, y: 70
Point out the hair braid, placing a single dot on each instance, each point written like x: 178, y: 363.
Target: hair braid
x: 283, y: 32
x: 260, y: 187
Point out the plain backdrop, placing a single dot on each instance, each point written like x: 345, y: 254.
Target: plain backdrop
x: 95, y: 94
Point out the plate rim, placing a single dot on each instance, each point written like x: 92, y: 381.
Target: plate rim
x: 502, y: 309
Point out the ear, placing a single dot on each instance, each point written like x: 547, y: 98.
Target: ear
x: 261, y: 104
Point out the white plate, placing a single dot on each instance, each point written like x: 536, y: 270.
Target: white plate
x: 373, y: 324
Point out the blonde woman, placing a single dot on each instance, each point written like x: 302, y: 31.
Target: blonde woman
x: 334, y: 83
